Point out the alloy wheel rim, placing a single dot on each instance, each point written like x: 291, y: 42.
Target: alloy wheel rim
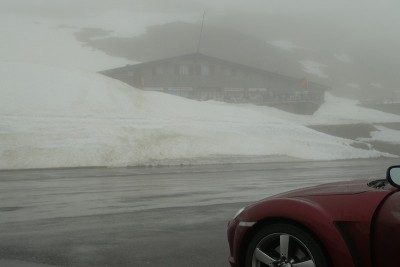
x: 282, y: 250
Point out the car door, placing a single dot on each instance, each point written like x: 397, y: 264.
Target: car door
x: 386, y: 232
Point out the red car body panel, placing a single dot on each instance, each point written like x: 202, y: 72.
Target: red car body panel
x: 386, y: 234
x: 339, y: 215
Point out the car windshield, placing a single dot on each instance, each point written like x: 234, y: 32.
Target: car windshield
x: 132, y: 131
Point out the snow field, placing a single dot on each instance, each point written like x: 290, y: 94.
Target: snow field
x: 53, y: 117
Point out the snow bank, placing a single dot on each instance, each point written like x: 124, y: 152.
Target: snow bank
x: 343, y: 57
x: 338, y: 110
x: 384, y: 134
x: 335, y: 111
x: 59, y: 118
x: 285, y: 45
x: 314, y: 68
x: 50, y: 39
x: 50, y: 42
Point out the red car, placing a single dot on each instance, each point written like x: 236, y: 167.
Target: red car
x: 350, y: 224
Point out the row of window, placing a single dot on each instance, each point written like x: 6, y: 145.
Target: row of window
x: 239, y: 95
x: 201, y: 70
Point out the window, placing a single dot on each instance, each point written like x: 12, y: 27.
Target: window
x: 159, y: 70
x: 205, y: 70
x: 183, y: 70
x: 228, y: 72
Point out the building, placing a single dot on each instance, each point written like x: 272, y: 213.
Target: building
x: 201, y: 77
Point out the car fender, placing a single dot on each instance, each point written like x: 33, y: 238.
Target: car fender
x: 308, y: 214
x: 342, y: 232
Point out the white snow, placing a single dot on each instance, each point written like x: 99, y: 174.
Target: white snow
x: 385, y: 134
x: 51, y: 117
x: 335, y: 111
x: 353, y: 85
x: 38, y: 37
x: 343, y: 57
x: 285, y: 45
x: 314, y: 68
x: 41, y: 41
x: 341, y: 111
x: 376, y: 85
x: 129, y: 23
x: 55, y: 112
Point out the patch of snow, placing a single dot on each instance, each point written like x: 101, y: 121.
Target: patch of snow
x: 338, y: 110
x: 285, y: 45
x: 32, y: 40
x: 334, y: 111
x: 343, y: 58
x: 385, y: 134
x: 43, y: 39
x: 314, y: 68
x: 376, y: 85
x: 353, y: 85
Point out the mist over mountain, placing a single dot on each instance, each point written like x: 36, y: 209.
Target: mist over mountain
x: 350, y: 46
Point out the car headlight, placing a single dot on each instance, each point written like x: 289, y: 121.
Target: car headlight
x: 238, y: 213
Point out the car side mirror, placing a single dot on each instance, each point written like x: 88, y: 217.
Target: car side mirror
x: 393, y: 176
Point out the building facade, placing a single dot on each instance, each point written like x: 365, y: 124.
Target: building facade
x: 202, y: 77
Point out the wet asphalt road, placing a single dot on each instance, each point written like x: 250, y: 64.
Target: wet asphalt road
x: 165, y: 216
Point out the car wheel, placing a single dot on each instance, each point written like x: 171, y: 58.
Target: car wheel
x: 284, y: 245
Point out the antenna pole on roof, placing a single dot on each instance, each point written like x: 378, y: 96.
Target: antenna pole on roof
x: 201, y: 33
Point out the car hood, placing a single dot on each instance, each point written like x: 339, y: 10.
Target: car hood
x: 338, y: 188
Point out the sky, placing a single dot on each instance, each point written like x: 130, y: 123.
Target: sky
x: 356, y: 11
x: 349, y: 45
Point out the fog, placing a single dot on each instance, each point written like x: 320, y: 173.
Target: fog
x: 350, y: 46
x: 96, y: 163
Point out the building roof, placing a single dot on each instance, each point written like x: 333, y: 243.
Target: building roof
x: 213, y: 59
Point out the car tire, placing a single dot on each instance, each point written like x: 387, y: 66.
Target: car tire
x: 284, y: 245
